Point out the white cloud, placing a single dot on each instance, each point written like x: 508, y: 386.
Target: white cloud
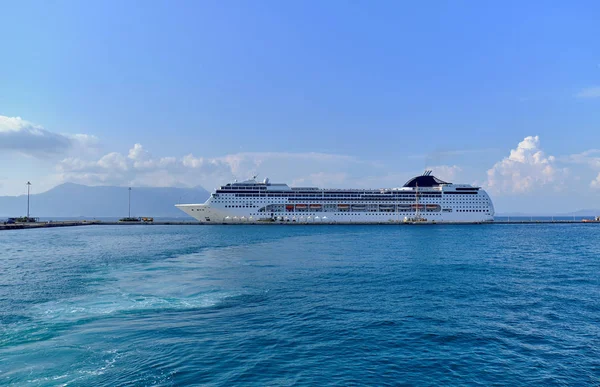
x: 596, y: 182
x: 139, y: 167
x: 449, y: 173
x: 19, y: 135
x: 590, y: 157
x: 589, y: 92
x: 438, y: 155
x: 141, y: 157
x: 280, y: 166
x: 322, y: 179
x: 525, y: 169
x: 83, y: 140
x: 113, y: 161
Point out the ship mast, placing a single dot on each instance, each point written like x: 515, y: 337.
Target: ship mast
x: 417, y: 200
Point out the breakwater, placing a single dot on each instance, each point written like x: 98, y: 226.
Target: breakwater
x: 30, y: 225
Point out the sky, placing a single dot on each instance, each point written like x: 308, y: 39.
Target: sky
x: 504, y: 95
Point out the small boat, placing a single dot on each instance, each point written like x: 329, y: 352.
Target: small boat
x: 595, y: 220
x: 301, y: 206
x: 289, y: 207
x: 315, y: 206
x: 419, y: 206
x: 386, y: 206
x: 431, y: 206
x: 360, y: 207
x: 343, y: 206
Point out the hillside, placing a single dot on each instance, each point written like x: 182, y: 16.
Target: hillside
x: 74, y: 200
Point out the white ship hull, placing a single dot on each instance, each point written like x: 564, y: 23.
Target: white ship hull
x: 206, y: 214
x: 424, y: 199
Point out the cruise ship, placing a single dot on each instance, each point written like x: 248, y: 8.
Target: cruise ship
x: 423, y: 199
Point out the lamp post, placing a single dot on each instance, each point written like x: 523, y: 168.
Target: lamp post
x: 28, y: 185
x: 129, y: 216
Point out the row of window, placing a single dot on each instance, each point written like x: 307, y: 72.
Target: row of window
x: 339, y: 213
x: 248, y: 205
x: 353, y: 195
x: 345, y: 214
x: 369, y: 200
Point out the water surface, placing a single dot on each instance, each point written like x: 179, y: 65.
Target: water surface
x: 324, y: 305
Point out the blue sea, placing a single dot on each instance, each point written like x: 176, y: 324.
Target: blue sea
x: 303, y: 306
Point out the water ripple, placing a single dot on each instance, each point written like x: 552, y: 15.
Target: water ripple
x: 339, y: 305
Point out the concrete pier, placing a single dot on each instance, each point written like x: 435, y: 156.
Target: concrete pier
x: 65, y: 223
x: 19, y: 226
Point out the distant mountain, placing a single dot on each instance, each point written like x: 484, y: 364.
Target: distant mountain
x: 74, y: 200
x: 501, y: 214
x: 579, y: 213
x: 583, y: 213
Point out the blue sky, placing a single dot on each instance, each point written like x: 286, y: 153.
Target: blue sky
x: 335, y: 93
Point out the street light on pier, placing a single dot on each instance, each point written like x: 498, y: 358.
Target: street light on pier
x: 28, y: 185
x: 129, y: 212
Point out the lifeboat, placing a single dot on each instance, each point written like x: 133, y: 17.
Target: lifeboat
x: 343, y: 206
x: 359, y: 207
x: 386, y: 206
x: 289, y: 207
x: 301, y: 206
x: 315, y: 206
x: 431, y: 206
x: 419, y: 206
